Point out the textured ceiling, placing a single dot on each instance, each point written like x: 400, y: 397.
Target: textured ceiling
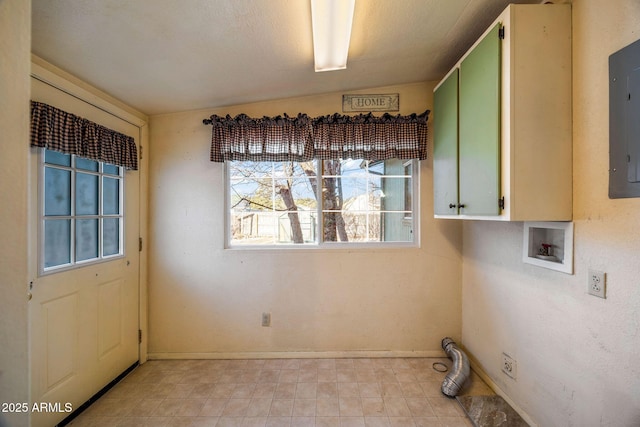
x: 163, y: 56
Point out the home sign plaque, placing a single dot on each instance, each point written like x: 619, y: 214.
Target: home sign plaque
x: 383, y: 102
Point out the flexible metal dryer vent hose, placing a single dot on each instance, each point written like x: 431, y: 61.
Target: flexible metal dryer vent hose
x: 454, y: 381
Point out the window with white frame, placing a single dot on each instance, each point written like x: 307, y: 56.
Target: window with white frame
x: 321, y: 202
x: 81, y: 209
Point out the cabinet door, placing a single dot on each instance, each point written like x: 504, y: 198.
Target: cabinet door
x: 445, y: 147
x: 479, y: 164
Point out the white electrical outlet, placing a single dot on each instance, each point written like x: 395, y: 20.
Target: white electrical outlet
x: 509, y: 365
x: 266, y: 319
x: 597, y: 283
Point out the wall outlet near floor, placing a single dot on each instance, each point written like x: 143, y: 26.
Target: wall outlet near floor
x: 266, y: 319
x: 597, y: 283
x: 509, y: 365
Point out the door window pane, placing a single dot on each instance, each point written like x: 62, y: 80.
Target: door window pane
x: 110, y: 169
x: 110, y: 236
x: 57, y: 192
x: 86, y: 194
x: 86, y: 164
x: 57, y: 158
x: 86, y: 239
x: 57, y: 242
x: 110, y: 196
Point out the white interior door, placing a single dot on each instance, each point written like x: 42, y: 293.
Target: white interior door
x: 84, y: 318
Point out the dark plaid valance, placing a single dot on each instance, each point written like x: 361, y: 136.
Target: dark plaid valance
x: 58, y: 130
x: 336, y: 136
x: 273, y: 139
x: 370, y: 138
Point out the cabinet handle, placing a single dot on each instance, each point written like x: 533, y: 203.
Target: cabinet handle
x: 452, y: 205
x: 461, y: 206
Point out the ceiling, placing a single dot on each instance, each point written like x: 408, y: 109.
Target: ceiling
x: 163, y: 56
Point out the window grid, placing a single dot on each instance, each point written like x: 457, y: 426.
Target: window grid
x: 77, y: 167
x: 407, y: 172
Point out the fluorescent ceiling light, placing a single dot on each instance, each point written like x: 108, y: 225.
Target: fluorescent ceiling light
x: 331, y: 32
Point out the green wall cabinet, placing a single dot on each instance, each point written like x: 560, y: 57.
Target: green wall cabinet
x: 445, y: 148
x: 502, y: 122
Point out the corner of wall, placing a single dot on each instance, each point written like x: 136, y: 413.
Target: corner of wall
x: 15, y: 33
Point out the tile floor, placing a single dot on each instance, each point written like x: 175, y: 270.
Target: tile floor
x: 386, y: 392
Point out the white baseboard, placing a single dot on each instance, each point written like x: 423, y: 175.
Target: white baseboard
x: 296, y: 354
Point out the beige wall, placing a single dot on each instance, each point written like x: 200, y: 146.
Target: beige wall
x: 577, y: 355
x: 15, y: 44
x: 205, y: 299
